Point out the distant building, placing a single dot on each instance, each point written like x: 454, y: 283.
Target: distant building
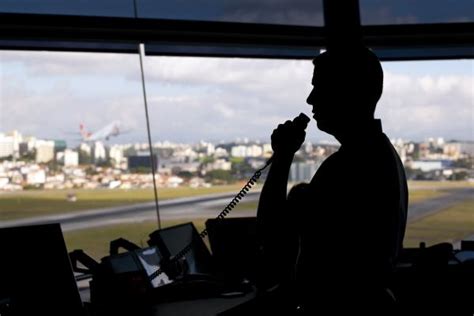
x: 44, y: 151
x: 116, y: 155
x: 219, y: 164
x: 71, y: 158
x: 238, y: 151
x: 423, y: 150
x: 197, y: 182
x: 31, y: 141
x: 4, y: 181
x: 10, y: 144
x: 254, y: 151
x: 209, y: 148
x: 60, y: 145
x: 23, y: 148
x: 410, y: 148
x: 17, y: 139
x: 436, y: 142
x: 85, y: 148
x: 303, y: 171
x: 221, y: 153
x: 430, y: 165
x: 36, y: 177
x: 141, y: 161
x: 7, y: 146
x: 99, y: 152
x: 189, y: 167
x: 457, y: 150
x: 247, y: 151
x: 85, y: 154
x: 174, y: 181
x: 184, y: 155
x: 267, y: 150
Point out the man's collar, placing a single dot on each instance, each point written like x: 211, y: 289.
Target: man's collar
x: 364, y: 134
x: 377, y: 125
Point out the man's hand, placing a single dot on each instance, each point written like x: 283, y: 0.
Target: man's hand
x: 287, y: 138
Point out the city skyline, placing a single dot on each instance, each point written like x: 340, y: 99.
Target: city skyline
x: 30, y: 163
x: 237, y: 140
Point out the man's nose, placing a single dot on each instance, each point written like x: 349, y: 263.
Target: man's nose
x: 309, y: 99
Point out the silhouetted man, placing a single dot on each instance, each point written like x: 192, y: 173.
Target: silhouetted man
x: 332, y: 243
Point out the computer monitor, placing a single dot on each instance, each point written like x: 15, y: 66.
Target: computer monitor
x: 122, y: 263
x: 173, y: 240
x: 150, y: 260
x: 36, y: 276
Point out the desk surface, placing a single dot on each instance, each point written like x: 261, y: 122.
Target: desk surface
x: 211, y: 306
x: 198, y: 307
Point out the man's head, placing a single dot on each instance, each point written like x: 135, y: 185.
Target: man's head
x: 346, y: 88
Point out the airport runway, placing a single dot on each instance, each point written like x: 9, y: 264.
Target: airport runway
x: 208, y: 206
x: 434, y: 205
x: 202, y: 207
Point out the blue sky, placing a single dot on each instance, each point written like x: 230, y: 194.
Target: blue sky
x: 49, y: 94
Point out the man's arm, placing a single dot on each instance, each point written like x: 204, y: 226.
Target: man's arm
x: 276, y: 245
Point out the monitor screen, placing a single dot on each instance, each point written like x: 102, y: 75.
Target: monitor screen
x: 123, y: 263
x: 150, y: 259
x: 35, y: 272
x: 178, y: 237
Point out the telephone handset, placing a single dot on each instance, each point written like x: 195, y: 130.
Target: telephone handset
x: 301, y: 121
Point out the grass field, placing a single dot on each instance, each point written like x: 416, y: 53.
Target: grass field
x: 49, y: 202
x: 27, y: 204
x: 423, y: 190
x: 450, y: 224
x: 419, y: 195
x: 439, y: 184
x: 250, y: 207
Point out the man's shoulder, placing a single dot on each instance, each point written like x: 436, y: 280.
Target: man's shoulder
x: 333, y: 159
x: 328, y: 168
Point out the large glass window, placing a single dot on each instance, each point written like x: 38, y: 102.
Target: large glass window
x: 73, y: 140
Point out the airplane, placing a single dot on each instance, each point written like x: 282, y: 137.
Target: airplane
x: 111, y: 129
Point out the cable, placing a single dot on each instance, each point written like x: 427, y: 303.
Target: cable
x: 152, y: 159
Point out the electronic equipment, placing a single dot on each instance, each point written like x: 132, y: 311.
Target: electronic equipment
x: 434, y: 280
x: 128, y: 280
x: 123, y: 279
x: 36, y: 276
x: 150, y: 260
x: 173, y: 239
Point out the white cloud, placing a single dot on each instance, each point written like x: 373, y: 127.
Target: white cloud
x: 422, y: 106
x: 46, y: 64
x: 208, y: 98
